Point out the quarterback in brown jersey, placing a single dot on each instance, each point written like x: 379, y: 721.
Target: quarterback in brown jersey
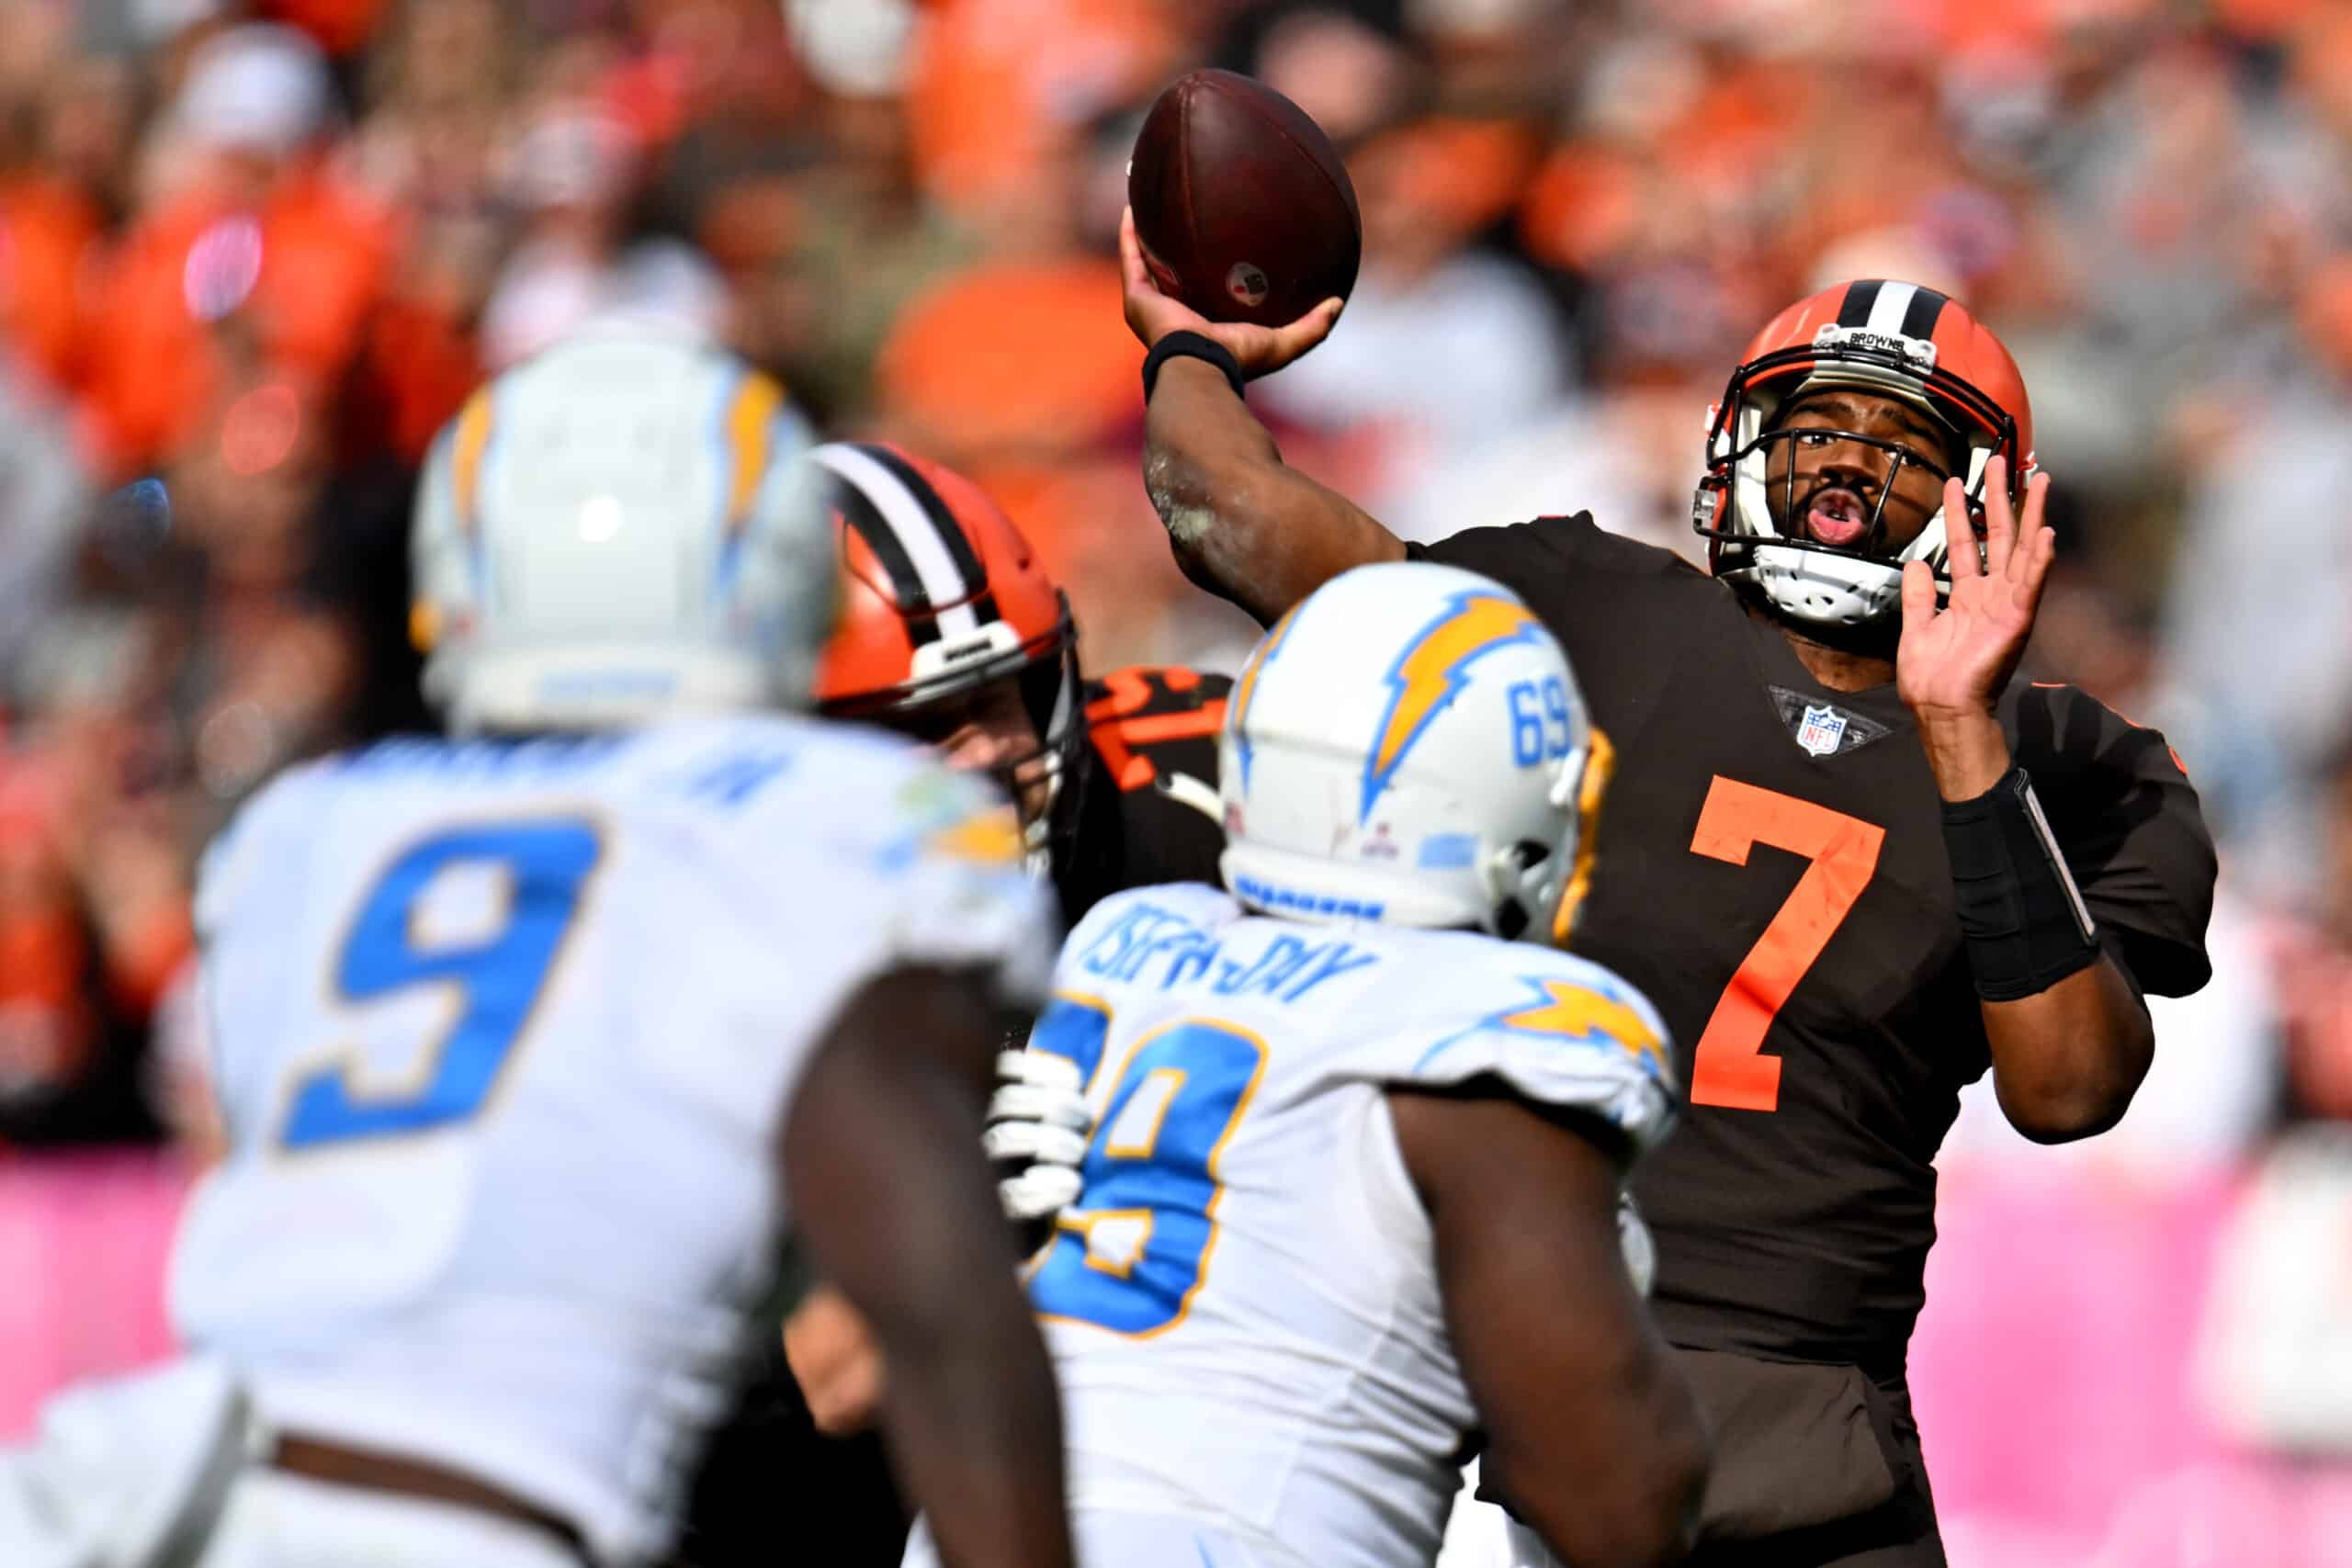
x: 1854, y: 859
x: 951, y: 630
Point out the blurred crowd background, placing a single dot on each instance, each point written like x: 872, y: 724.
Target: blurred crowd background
x: 253, y: 254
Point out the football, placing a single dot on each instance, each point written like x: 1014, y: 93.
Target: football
x: 1241, y: 204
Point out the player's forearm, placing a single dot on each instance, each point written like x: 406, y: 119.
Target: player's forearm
x: 913, y: 1237
x: 882, y: 1159
x: 1244, y: 524
x: 975, y: 1429
x: 1619, y: 1485
x: 2067, y: 1057
x: 1630, y: 1496
x: 2067, y: 1060
x: 1594, y: 1438
x: 1966, y: 751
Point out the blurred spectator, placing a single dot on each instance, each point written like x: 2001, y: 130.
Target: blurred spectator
x: 2312, y: 958
x: 258, y: 251
x: 573, y: 176
x: 2264, y: 560
x: 853, y: 237
x: 2211, y: 1096
x: 254, y: 253
x: 43, y: 497
x: 50, y: 225
x: 1447, y: 344
x: 993, y: 87
x: 437, y: 86
x: 247, y: 250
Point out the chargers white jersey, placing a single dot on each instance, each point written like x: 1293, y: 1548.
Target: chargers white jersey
x: 1244, y: 1312
x: 506, y: 1034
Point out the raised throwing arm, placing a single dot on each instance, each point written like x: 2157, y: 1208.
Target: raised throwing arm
x: 1243, y: 523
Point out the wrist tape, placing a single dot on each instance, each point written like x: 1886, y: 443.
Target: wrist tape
x: 2025, y: 922
x: 1190, y: 346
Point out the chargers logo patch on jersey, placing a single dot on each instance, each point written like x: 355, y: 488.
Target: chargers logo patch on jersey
x: 1433, y: 667
x: 947, y: 816
x: 990, y: 837
x: 1580, y: 1012
x: 1570, y: 1011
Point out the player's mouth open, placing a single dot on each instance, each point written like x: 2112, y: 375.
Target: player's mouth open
x: 1836, y: 517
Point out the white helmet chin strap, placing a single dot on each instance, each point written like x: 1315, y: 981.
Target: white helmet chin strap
x: 1834, y: 590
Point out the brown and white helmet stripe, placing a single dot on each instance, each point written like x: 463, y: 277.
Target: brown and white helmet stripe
x: 1884, y: 306
x: 936, y: 576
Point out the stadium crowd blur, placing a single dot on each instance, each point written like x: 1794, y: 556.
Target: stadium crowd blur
x: 250, y: 256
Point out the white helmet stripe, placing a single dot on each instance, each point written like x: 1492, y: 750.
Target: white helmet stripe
x: 943, y: 581
x: 1887, y: 309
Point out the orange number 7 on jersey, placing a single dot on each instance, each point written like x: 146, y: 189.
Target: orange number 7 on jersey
x: 1729, y: 1067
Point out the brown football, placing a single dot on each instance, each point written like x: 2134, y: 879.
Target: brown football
x: 1242, y: 204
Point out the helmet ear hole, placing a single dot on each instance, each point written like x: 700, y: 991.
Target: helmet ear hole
x: 1512, y: 916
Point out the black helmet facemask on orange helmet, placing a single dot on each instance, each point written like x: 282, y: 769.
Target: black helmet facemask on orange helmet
x: 1790, y: 508
x: 1047, y: 777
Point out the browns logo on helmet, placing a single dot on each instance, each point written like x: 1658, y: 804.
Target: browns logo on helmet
x: 1888, y: 340
x: 948, y: 622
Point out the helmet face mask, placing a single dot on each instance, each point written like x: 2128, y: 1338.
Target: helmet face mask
x: 1782, y: 447
x: 1860, y: 337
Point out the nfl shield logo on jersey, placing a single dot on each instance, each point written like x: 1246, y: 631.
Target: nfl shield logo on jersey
x: 1821, y: 731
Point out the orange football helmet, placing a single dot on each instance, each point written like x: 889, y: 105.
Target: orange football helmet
x: 1899, y: 340
x: 943, y: 597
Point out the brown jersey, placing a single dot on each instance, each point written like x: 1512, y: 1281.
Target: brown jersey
x: 1145, y: 728
x: 1772, y: 872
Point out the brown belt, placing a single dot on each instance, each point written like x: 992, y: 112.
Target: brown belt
x: 341, y: 1466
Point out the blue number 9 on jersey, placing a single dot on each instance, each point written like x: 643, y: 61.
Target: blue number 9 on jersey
x: 546, y: 861
x: 1132, y: 1258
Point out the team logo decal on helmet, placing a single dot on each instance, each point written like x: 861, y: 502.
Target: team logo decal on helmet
x: 1452, y: 783
x: 1247, y: 687
x: 1431, y: 668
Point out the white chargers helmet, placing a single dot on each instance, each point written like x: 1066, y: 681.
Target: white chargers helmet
x: 1408, y: 745
x: 621, y: 526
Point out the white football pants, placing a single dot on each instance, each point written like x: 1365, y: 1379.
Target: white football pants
x: 1480, y: 1535
x: 1108, y: 1540
x: 276, y: 1520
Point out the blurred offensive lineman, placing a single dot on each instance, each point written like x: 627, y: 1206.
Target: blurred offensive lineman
x: 952, y: 632
x: 527, y: 1035
x: 1351, y: 1194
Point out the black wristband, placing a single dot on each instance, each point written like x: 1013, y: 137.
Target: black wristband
x: 2024, y: 920
x: 1190, y: 346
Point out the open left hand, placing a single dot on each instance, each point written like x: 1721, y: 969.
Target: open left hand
x: 1959, y: 659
